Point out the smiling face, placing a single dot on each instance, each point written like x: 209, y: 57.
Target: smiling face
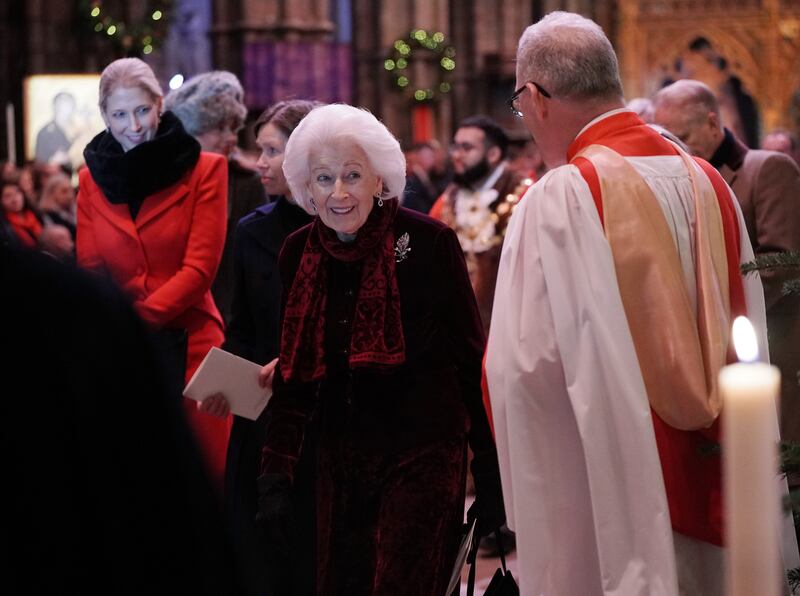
x: 343, y: 184
x: 132, y: 116
x: 272, y: 143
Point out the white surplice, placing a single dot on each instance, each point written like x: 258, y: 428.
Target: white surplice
x: 580, y: 469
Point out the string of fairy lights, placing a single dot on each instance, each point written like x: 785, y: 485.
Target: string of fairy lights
x: 132, y: 39
x: 421, y: 45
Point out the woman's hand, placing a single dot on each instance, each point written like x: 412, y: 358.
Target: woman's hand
x: 216, y: 405
x: 266, y: 373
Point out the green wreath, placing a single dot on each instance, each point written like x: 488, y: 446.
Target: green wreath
x: 421, y: 45
x: 129, y: 39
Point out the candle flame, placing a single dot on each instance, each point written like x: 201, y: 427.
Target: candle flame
x: 744, y: 340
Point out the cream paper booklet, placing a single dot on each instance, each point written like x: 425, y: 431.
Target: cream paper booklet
x: 234, y: 377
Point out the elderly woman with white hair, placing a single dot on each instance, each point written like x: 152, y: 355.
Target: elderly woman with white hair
x: 381, y: 345
x: 211, y: 108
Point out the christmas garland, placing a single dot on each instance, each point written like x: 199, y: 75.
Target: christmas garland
x: 421, y: 45
x: 129, y: 39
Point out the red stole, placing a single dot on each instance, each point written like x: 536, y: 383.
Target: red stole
x: 692, y: 471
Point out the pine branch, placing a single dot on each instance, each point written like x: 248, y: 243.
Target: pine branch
x: 777, y: 260
x: 793, y: 576
x: 791, y: 287
x: 790, y: 457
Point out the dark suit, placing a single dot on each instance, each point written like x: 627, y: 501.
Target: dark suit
x: 253, y: 333
x: 767, y: 185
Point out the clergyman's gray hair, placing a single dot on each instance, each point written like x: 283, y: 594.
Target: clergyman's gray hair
x: 331, y: 123
x: 207, y: 102
x: 570, y: 57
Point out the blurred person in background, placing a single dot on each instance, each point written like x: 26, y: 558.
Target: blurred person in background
x: 57, y: 203
x: 479, y: 202
x: 211, y: 108
x: 783, y: 141
x: 56, y: 241
x: 23, y: 223
x: 420, y: 193
x: 151, y: 214
x: 254, y: 334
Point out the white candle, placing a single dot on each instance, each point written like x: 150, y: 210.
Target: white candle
x: 750, y: 462
x: 11, y: 134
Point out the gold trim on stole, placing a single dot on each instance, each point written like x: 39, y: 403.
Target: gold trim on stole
x: 679, y: 353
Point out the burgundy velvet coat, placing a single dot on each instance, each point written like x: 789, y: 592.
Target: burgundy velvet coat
x: 392, y: 445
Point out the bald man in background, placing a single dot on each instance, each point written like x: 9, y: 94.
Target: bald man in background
x: 767, y: 185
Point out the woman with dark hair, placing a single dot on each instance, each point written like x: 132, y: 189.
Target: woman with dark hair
x: 380, y: 353
x: 253, y: 333
x: 151, y: 214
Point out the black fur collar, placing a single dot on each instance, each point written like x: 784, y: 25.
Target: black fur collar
x: 130, y: 177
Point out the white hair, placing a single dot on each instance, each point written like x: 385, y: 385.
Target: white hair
x: 570, y: 57
x: 327, y: 124
x: 208, y: 101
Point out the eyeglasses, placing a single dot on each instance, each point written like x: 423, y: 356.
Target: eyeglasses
x: 513, y: 99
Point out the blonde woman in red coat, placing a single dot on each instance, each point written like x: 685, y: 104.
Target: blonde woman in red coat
x: 152, y: 213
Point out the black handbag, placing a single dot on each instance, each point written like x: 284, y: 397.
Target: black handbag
x: 502, y: 583
x: 171, y: 347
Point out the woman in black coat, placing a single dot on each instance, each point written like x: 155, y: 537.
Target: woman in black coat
x: 381, y: 348
x: 253, y: 333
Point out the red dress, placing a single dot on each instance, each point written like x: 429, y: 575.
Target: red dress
x: 166, y: 260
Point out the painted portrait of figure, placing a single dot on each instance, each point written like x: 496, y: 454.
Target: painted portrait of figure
x: 61, y: 117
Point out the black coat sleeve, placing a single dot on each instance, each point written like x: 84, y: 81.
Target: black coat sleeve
x: 292, y: 403
x: 239, y: 336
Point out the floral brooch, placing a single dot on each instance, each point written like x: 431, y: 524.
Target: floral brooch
x: 402, y: 248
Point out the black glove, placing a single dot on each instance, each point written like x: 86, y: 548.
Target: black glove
x: 275, y: 510
x: 488, y: 508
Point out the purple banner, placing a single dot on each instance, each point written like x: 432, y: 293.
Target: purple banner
x: 278, y: 70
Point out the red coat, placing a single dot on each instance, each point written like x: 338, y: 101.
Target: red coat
x: 166, y: 261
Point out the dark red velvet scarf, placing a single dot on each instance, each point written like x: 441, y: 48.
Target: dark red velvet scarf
x: 377, y: 335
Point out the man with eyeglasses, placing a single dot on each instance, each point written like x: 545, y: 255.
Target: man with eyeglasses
x: 617, y: 284
x: 479, y: 202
